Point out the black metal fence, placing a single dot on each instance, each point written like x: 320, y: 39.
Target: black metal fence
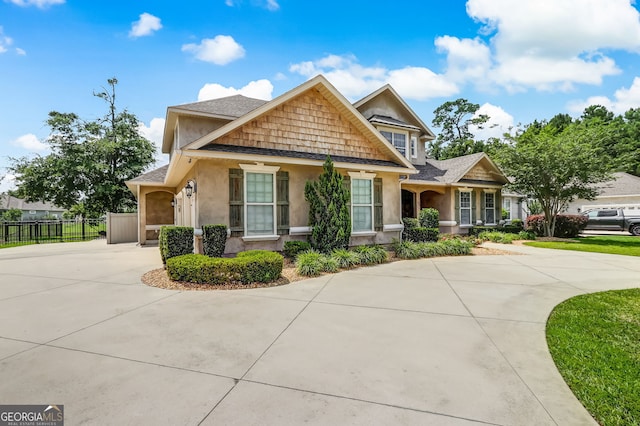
x: 51, y: 231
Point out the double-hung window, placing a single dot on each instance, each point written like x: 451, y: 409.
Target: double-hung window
x: 362, y: 204
x: 465, y: 208
x: 506, y: 206
x: 398, y: 140
x: 489, y: 208
x: 260, y: 200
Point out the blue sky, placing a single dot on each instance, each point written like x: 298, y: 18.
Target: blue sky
x: 521, y: 61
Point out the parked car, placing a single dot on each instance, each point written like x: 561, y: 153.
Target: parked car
x: 613, y: 220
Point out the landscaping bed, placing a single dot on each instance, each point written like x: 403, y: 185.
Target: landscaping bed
x: 159, y: 278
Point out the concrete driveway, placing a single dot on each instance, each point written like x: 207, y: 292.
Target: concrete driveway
x: 448, y: 341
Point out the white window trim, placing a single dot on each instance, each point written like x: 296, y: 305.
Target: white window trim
x: 470, y: 208
x: 407, y: 143
x: 504, y: 201
x: 486, y: 208
x: 413, y: 146
x: 259, y: 168
x: 363, y: 176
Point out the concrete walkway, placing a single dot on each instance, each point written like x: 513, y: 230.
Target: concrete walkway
x: 448, y: 341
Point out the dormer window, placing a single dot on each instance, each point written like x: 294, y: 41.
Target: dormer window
x: 398, y: 140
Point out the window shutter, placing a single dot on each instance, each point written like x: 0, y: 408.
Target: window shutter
x: 498, y: 206
x: 346, y: 183
x: 457, y: 206
x: 282, y: 202
x: 483, y: 206
x: 474, y: 207
x: 378, y: 222
x: 236, y: 202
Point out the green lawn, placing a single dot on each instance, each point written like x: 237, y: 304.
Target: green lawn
x: 594, y: 340
x: 611, y: 244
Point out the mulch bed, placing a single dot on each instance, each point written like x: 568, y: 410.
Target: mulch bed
x: 158, y: 277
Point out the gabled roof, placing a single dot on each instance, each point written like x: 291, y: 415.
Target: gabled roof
x: 154, y: 176
x: 383, y: 119
x: 622, y: 184
x: 9, y: 202
x: 228, y: 108
x: 327, y: 90
x: 454, y: 169
x: 387, y: 89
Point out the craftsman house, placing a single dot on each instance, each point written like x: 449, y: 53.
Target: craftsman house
x: 244, y: 162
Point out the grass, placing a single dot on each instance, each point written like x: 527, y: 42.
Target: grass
x: 594, y: 340
x: 610, y: 244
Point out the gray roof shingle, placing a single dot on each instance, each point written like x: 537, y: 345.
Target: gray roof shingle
x: 622, y: 184
x: 446, y: 171
x: 8, y: 202
x: 154, y: 176
x: 231, y: 106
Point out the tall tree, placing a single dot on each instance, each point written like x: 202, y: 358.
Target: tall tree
x: 555, y: 168
x: 455, y: 139
x: 89, y: 161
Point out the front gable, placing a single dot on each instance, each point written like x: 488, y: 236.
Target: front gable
x: 479, y: 173
x: 308, y: 123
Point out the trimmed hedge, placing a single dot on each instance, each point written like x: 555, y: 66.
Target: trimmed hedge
x: 567, y: 225
x: 214, y: 238
x: 413, y: 250
x: 293, y: 248
x: 508, y: 229
x: 175, y: 241
x: 247, y: 267
x: 413, y: 231
x: 429, y: 218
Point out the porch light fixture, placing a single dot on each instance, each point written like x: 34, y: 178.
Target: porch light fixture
x: 173, y: 202
x: 190, y: 188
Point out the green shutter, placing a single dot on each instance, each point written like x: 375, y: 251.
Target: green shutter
x: 378, y: 223
x: 236, y: 202
x: 346, y: 183
x: 498, y: 206
x: 282, y: 201
x: 474, y: 206
x: 457, y: 205
x: 483, y: 206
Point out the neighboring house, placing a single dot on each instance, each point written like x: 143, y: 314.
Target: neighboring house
x: 623, y: 191
x: 244, y: 162
x: 514, y: 205
x: 30, y: 210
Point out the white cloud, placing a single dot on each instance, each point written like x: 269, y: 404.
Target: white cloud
x: 271, y: 5
x: 259, y: 89
x: 5, y: 42
x: 7, y: 182
x: 467, y: 59
x: 30, y: 142
x: 38, y: 3
x: 500, y: 122
x: 219, y: 50
x: 551, y: 45
x: 155, y: 132
x: 145, y: 26
x: 354, y: 80
x: 20, y: 52
x: 623, y: 100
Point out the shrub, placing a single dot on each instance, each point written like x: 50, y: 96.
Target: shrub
x: 526, y: 235
x: 292, y: 248
x: 371, y: 255
x: 309, y: 263
x: 567, y: 225
x: 421, y: 234
x: 175, y: 241
x: 414, y: 229
x: 517, y: 223
x: 497, y: 237
x: 429, y: 218
x: 449, y: 247
x: 329, y: 215
x: 247, y: 267
x: 345, y: 258
x: 214, y: 238
x: 329, y: 264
